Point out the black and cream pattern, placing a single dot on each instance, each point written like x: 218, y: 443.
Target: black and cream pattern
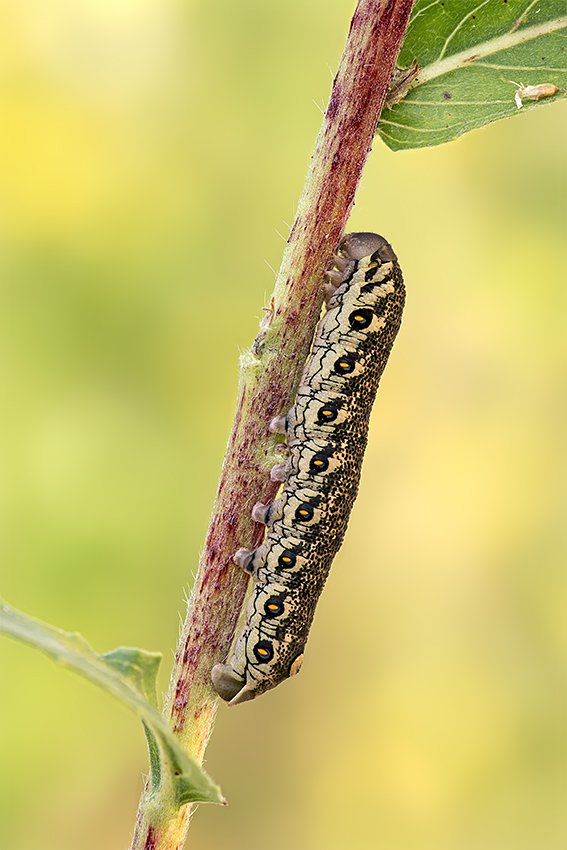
x: 326, y: 433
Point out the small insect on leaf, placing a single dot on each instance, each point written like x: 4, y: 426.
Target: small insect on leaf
x: 533, y: 92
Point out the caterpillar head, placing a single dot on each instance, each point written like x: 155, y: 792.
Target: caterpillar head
x: 356, y: 246
x: 353, y: 248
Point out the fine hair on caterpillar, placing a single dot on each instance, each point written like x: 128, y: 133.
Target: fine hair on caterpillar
x: 326, y: 433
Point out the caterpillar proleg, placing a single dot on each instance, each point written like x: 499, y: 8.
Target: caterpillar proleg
x: 326, y: 433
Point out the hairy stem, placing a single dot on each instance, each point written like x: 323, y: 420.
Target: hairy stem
x: 269, y: 375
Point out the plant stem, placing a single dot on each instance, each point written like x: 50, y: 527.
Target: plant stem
x: 269, y: 376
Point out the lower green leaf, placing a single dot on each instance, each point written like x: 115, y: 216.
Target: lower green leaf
x: 130, y: 675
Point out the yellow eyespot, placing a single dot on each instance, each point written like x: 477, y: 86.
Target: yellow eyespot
x: 274, y: 607
x: 304, y: 512
x: 263, y: 651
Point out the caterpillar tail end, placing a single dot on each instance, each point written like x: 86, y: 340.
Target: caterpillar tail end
x: 230, y: 687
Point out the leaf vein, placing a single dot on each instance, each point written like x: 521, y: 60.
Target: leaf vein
x: 457, y: 28
x: 455, y: 102
x: 495, y: 45
x: 422, y: 11
x: 519, y: 20
x: 425, y: 130
x: 538, y: 68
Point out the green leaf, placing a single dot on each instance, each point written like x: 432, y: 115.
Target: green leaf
x: 468, y: 51
x: 130, y: 675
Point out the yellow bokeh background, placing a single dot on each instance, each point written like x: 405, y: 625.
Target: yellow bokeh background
x: 152, y: 154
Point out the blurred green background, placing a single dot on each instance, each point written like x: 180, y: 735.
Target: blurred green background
x: 153, y: 151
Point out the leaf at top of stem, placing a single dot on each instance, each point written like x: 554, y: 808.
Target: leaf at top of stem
x: 467, y: 52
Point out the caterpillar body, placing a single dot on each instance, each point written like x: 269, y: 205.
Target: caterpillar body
x: 326, y: 433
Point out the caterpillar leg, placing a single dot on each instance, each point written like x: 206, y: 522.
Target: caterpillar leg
x: 228, y: 684
x: 340, y: 262
x: 279, y: 472
x: 277, y: 425
x: 261, y: 512
x: 334, y: 277
x: 329, y: 290
x: 244, y: 558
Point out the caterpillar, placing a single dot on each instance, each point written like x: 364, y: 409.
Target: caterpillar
x: 326, y: 433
